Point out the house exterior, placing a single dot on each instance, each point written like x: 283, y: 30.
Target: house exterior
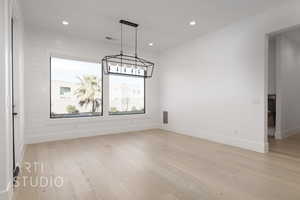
x: 127, y: 97
x: 63, y: 95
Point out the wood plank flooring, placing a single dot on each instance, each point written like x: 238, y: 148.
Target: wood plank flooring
x: 158, y: 165
x: 289, y: 146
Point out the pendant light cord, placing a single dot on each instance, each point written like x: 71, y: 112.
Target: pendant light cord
x: 121, y: 39
x: 136, y: 42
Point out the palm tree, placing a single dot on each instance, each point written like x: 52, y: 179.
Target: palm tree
x: 89, y: 92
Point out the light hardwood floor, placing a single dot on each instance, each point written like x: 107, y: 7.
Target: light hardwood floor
x: 289, y: 146
x: 158, y: 165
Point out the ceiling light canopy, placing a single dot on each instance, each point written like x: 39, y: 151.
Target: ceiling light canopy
x: 128, y: 65
x: 150, y: 44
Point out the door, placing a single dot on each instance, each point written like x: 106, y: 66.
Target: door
x: 14, y: 113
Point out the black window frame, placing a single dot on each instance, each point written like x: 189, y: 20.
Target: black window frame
x: 128, y: 113
x: 66, y: 116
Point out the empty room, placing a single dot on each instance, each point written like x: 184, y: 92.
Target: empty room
x: 149, y: 100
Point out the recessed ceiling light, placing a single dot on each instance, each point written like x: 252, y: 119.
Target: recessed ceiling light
x: 64, y: 22
x: 150, y: 44
x: 192, y: 23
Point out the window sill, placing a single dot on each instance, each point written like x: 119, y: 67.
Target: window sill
x: 96, y: 119
x: 125, y: 113
x: 68, y: 116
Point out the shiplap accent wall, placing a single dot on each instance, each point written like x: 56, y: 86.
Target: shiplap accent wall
x: 39, y: 45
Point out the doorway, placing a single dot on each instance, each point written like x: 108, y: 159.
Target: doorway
x: 284, y: 92
x: 272, y: 90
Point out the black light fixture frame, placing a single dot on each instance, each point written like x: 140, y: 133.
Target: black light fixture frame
x: 128, y: 60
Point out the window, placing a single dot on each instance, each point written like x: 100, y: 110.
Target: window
x: 127, y: 95
x: 76, y: 88
x: 65, y: 90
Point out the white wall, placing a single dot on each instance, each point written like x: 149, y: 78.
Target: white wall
x: 216, y: 86
x: 288, y: 53
x: 39, y: 44
x: 272, y: 66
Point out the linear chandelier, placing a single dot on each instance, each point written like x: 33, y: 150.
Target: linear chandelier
x: 128, y: 65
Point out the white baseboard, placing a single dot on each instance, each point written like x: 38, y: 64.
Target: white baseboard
x: 7, y: 194
x: 288, y: 133
x: 278, y: 135
x: 32, y: 139
x: 241, y: 143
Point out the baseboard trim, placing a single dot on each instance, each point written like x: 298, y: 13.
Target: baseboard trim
x: 8, y: 193
x: 241, y: 143
x: 32, y: 139
x: 291, y: 132
x: 278, y: 135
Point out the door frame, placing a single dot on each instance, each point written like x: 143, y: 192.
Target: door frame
x: 16, y: 168
x: 279, y: 114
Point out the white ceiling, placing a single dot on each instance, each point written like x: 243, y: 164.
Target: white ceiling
x: 163, y: 22
x: 293, y: 35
